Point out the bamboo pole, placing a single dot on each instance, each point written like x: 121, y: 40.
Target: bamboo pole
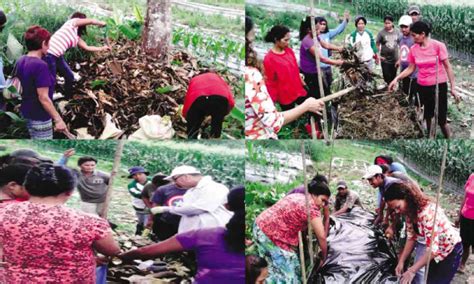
x: 318, y: 69
x: 434, y: 122
x: 303, y: 267
x: 115, y: 167
x: 441, y: 174
x: 308, y: 198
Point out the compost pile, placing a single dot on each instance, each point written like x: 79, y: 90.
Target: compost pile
x: 172, y: 268
x: 369, y: 113
x: 358, y: 252
x: 145, y: 87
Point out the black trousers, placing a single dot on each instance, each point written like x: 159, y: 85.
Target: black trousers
x: 162, y: 229
x: 389, y: 72
x: 410, y: 87
x: 214, y: 105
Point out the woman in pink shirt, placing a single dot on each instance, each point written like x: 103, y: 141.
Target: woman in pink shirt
x: 44, y: 241
x: 419, y: 210
x: 276, y: 232
x: 423, y: 56
x: 466, y: 221
x: 68, y: 36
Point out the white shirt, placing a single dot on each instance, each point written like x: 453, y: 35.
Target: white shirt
x: 203, y: 206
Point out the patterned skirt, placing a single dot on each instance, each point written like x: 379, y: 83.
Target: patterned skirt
x: 40, y: 129
x: 283, y: 265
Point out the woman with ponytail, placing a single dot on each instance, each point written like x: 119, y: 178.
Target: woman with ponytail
x: 219, y: 251
x: 44, y: 241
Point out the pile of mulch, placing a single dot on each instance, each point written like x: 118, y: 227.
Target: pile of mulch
x: 145, y: 87
x: 369, y: 113
x: 170, y: 268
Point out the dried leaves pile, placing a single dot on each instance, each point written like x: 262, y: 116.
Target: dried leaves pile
x: 145, y: 87
x: 172, y: 268
x: 369, y: 113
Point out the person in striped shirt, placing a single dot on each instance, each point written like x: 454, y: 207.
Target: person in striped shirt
x: 68, y: 36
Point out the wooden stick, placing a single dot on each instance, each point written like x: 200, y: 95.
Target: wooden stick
x: 115, y: 168
x: 441, y: 174
x: 338, y: 94
x: 303, y: 266
x: 313, y: 128
x: 318, y: 70
x: 434, y: 122
x: 308, y: 198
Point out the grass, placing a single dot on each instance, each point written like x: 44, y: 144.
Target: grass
x: 235, y: 4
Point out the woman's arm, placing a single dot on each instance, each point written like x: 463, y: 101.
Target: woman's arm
x: 329, y: 46
x: 151, y: 251
x: 87, y: 22
x: 107, y: 245
x: 310, y: 104
x: 325, y: 59
x: 449, y: 71
x: 82, y: 44
x: 318, y: 229
x: 407, y: 72
x: 50, y: 109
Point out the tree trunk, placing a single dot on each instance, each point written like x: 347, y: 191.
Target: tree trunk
x: 157, y: 30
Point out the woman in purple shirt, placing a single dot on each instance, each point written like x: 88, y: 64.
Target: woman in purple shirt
x: 219, y: 251
x: 37, y: 83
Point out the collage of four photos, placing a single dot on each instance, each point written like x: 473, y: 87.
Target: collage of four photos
x: 236, y: 141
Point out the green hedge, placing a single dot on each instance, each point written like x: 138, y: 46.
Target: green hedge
x: 452, y: 24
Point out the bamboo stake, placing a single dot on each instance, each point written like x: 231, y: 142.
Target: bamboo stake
x: 308, y: 198
x: 318, y: 70
x: 303, y: 267
x: 115, y: 167
x: 434, y: 122
x: 443, y: 166
x: 313, y: 128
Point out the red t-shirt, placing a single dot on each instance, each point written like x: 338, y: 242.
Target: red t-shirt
x: 282, y: 77
x: 282, y: 222
x: 206, y: 85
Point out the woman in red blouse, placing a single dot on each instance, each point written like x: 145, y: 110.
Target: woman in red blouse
x: 282, y: 75
x: 44, y: 241
x: 276, y: 232
x: 446, y: 247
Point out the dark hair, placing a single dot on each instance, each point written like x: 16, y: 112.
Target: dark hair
x: 385, y: 168
x: 387, y: 159
x: 158, y: 180
x: 388, y: 17
x: 250, y: 54
x: 415, y: 199
x: 85, y: 159
x: 320, y: 178
x: 82, y: 30
x: 3, y: 20
x: 360, y: 18
x: 421, y: 27
x: 319, y: 188
x: 35, y: 36
x: 276, y: 33
x: 253, y: 268
x: 305, y: 26
x: 49, y: 180
x: 235, y: 234
x: 16, y: 173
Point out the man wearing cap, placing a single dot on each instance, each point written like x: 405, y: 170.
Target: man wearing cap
x: 346, y: 199
x: 203, y: 203
x: 135, y: 188
x: 377, y: 179
x: 92, y: 184
x: 414, y: 12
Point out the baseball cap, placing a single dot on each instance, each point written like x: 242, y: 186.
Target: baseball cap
x: 413, y: 8
x: 372, y: 171
x: 405, y: 20
x: 341, y: 184
x: 136, y: 170
x: 182, y: 170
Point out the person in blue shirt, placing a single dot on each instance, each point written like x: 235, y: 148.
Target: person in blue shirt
x: 326, y: 35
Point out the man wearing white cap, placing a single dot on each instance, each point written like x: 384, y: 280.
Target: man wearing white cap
x: 377, y: 179
x: 203, y: 202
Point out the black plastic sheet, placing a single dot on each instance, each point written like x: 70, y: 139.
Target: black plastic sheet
x: 358, y: 252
